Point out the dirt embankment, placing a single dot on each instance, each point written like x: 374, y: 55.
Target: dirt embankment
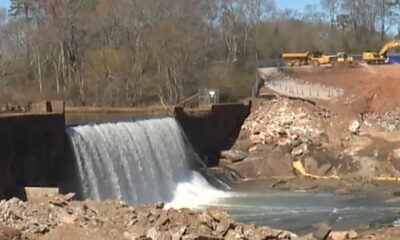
x: 352, y: 137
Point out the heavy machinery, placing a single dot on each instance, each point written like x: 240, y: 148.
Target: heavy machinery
x: 380, y: 58
x: 316, y: 58
x: 342, y: 58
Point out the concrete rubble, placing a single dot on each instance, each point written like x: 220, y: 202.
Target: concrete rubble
x: 389, y: 121
x: 283, y: 123
x: 52, y: 217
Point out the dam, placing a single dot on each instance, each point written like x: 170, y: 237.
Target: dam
x: 137, y: 162
x: 159, y: 158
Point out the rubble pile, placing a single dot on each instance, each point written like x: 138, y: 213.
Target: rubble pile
x: 285, y: 122
x: 389, y: 121
x: 45, y: 219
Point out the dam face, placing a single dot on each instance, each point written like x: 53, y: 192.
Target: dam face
x: 135, y: 161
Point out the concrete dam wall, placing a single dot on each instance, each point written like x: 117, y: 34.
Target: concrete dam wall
x: 35, y: 150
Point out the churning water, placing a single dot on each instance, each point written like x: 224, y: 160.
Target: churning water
x: 139, y: 162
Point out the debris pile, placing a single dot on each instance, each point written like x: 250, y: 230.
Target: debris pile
x: 285, y: 123
x: 57, y: 215
x: 390, y: 120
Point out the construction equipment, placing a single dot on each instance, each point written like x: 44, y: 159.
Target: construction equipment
x: 296, y: 59
x: 316, y: 58
x: 341, y: 59
x: 379, y: 58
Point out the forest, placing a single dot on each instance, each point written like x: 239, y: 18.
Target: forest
x: 160, y: 52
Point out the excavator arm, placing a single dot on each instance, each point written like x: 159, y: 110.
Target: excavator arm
x: 387, y: 46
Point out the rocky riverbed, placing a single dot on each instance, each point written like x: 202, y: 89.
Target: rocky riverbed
x: 61, y: 217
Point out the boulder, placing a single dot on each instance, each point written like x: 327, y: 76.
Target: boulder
x: 70, y: 196
x: 322, y: 232
x: 338, y: 235
x: 272, y: 164
x: 311, y: 165
x: 396, y: 153
x: 352, y: 234
x: 216, y: 213
x: 234, y: 155
x: 354, y: 127
x: 300, y: 150
x: 224, y: 162
x: 324, y: 169
x: 223, y: 226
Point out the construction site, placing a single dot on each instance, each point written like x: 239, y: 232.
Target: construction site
x: 200, y: 120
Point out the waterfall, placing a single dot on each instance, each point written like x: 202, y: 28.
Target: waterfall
x: 138, y: 162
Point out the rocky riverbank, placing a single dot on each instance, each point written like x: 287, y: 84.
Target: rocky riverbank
x: 329, y: 139
x: 61, y: 217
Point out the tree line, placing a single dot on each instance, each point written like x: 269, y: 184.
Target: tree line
x: 143, y: 52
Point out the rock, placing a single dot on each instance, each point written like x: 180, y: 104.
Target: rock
x: 352, y: 234
x: 177, y: 232
x: 256, y: 139
x: 234, y: 235
x: 223, y: 226
x: 264, y: 165
x: 200, y: 237
x: 338, y: 235
x: 162, y: 220
x: 322, y: 232
x: 234, y: 155
x: 324, y: 169
x: 311, y: 165
x: 224, y: 162
x: 396, y: 153
x: 66, y: 218
x: 57, y: 218
x: 216, y: 213
x: 70, y: 196
x: 204, y: 219
x: 299, y: 150
x: 160, y: 205
x: 307, y: 237
x: 354, y: 127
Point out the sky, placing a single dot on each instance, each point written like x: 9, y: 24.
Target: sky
x: 4, y: 3
x: 294, y: 4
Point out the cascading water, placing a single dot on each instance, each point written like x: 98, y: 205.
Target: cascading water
x: 139, y: 162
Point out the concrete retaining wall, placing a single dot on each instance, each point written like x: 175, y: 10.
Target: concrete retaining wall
x: 32, y: 150
x: 213, y: 131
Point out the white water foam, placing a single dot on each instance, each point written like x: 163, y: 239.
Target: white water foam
x: 139, y: 162
x: 196, y: 193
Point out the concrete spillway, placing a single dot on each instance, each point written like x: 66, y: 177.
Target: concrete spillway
x: 138, y: 162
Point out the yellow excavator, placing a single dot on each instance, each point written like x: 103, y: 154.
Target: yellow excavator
x: 379, y: 58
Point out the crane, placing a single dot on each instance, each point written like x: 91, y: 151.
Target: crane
x: 379, y: 58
